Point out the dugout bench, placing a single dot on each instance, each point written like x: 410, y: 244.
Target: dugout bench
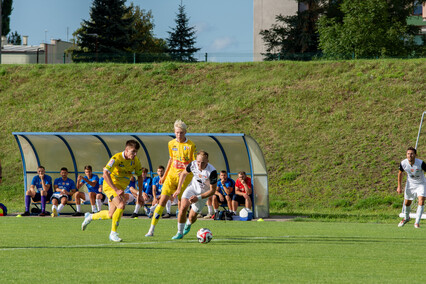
x: 233, y: 152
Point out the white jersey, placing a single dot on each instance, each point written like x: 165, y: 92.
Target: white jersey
x: 202, y: 179
x: 415, y: 173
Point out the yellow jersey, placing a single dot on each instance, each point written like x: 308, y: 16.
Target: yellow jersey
x: 121, y: 169
x: 182, y: 154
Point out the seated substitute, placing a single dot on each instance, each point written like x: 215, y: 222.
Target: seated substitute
x: 224, y: 192
x: 131, y: 193
x: 202, y: 186
x: 103, y: 199
x: 92, y: 183
x: 64, y: 190
x: 243, y: 191
x: 155, y: 194
x: 40, y: 190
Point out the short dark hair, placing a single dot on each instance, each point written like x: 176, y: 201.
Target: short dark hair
x: 412, y: 149
x: 88, y: 167
x: 64, y: 169
x: 144, y: 170
x: 160, y: 167
x: 133, y: 143
x: 41, y: 167
x: 224, y: 172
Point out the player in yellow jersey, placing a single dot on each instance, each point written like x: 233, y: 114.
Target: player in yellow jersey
x: 182, y: 152
x: 117, y: 174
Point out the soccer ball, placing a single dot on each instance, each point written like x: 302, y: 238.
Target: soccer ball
x: 204, y: 236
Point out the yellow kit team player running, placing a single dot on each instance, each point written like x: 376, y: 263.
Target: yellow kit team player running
x: 117, y: 174
x: 182, y: 153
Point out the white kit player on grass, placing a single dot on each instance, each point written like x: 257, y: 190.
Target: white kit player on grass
x: 415, y: 186
x: 202, y: 186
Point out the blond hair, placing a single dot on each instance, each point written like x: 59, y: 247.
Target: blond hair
x: 180, y: 124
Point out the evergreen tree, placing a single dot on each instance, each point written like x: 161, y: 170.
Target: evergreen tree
x: 108, y: 31
x: 14, y: 38
x: 6, y: 10
x: 182, y: 38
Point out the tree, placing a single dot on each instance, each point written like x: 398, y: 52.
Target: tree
x: 370, y: 28
x: 143, y: 40
x: 6, y: 10
x: 182, y: 38
x: 296, y: 36
x: 109, y: 30
x: 15, y: 38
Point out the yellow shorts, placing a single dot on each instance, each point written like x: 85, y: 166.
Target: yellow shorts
x: 109, y: 192
x: 171, y: 183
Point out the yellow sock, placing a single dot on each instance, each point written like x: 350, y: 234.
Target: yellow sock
x: 101, y: 215
x: 157, y: 214
x: 116, y: 219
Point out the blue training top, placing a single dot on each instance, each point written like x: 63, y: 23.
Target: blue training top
x: 92, y: 188
x: 67, y: 184
x: 156, y: 182
x: 37, y: 183
x: 228, y: 183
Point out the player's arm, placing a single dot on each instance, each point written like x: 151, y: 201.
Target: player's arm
x: 79, y: 182
x: 210, y: 192
x: 169, y: 164
x: 45, y: 186
x: 401, y: 170
x: 140, y: 183
x: 182, y: 178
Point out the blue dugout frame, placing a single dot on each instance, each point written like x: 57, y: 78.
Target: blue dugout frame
x: 232, y: 151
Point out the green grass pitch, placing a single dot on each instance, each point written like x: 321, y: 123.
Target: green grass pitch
x: 57, y: 251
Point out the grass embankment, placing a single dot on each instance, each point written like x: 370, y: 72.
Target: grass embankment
x: 332, y: 133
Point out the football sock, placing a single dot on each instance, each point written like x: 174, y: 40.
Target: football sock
x: 188, y: 222
x: 181, y: 226
x: 93, y: 208
x: 101, y: 215
x: 99, y: 204
x: 43, y: 203
x: 210, y: 210
x: 153, y: 207
x: 116, y: 219
x: 407, y: 212
x: 157, y: 214
x: 215, y: 210
x: 27, y: 203
x: 60, y: 207
x: 168, y: 206
x: 78, y: 207
x: 419, y: 213
x: 137, y: 207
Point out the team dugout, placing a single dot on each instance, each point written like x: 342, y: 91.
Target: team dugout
x: 54, y: 150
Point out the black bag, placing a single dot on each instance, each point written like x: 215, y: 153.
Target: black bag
x: 223, y: 215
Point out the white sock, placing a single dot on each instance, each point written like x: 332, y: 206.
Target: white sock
x: 151, y: 229
x: 137, y: 207
x: 54, y: 206
x: 99, y: 204
x: 407, y: 212
x: 60, y: 207
x: 419, y: 213
x: 78, y: 207
x: 153, y: 207
x: 188, y: 222
x: 181, y: 226
x: 215, y: 210
x: 93, y: 208
x: 168, y: 206
x: 210, y: 210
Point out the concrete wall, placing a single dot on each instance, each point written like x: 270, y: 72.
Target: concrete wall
x: 264, y: 13
x: 21, y: 58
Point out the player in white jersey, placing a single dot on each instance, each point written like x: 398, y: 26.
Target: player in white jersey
x: 202, y: 186
x: 415, y: 186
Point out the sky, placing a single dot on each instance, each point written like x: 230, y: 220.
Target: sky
x: 224, y: 27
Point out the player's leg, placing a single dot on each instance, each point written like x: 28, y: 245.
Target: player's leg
x: 55, y: 202
x: 78, y: 196
x: 92, y: 198
x: 139, y: 204
x: 182, y: 218
x: 63, y: 202
x: 157, y: 214
x: 421, y: 193
x: 407, y: 211
x: 100, y: 197
x: 248, y: 202
x: 29, y: 194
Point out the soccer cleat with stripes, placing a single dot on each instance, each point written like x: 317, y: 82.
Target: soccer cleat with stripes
x: 186, y: 229
x: 403, y: 222
x: 178, y: 236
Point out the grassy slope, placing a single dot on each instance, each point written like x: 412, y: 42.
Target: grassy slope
x: 332, y: 132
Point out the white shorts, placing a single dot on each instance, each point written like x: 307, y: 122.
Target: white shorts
x: 414, y: 190
x: 131, y: 197
x: 197, y: 206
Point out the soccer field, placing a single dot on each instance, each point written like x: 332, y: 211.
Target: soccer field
x: 57, y: 251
